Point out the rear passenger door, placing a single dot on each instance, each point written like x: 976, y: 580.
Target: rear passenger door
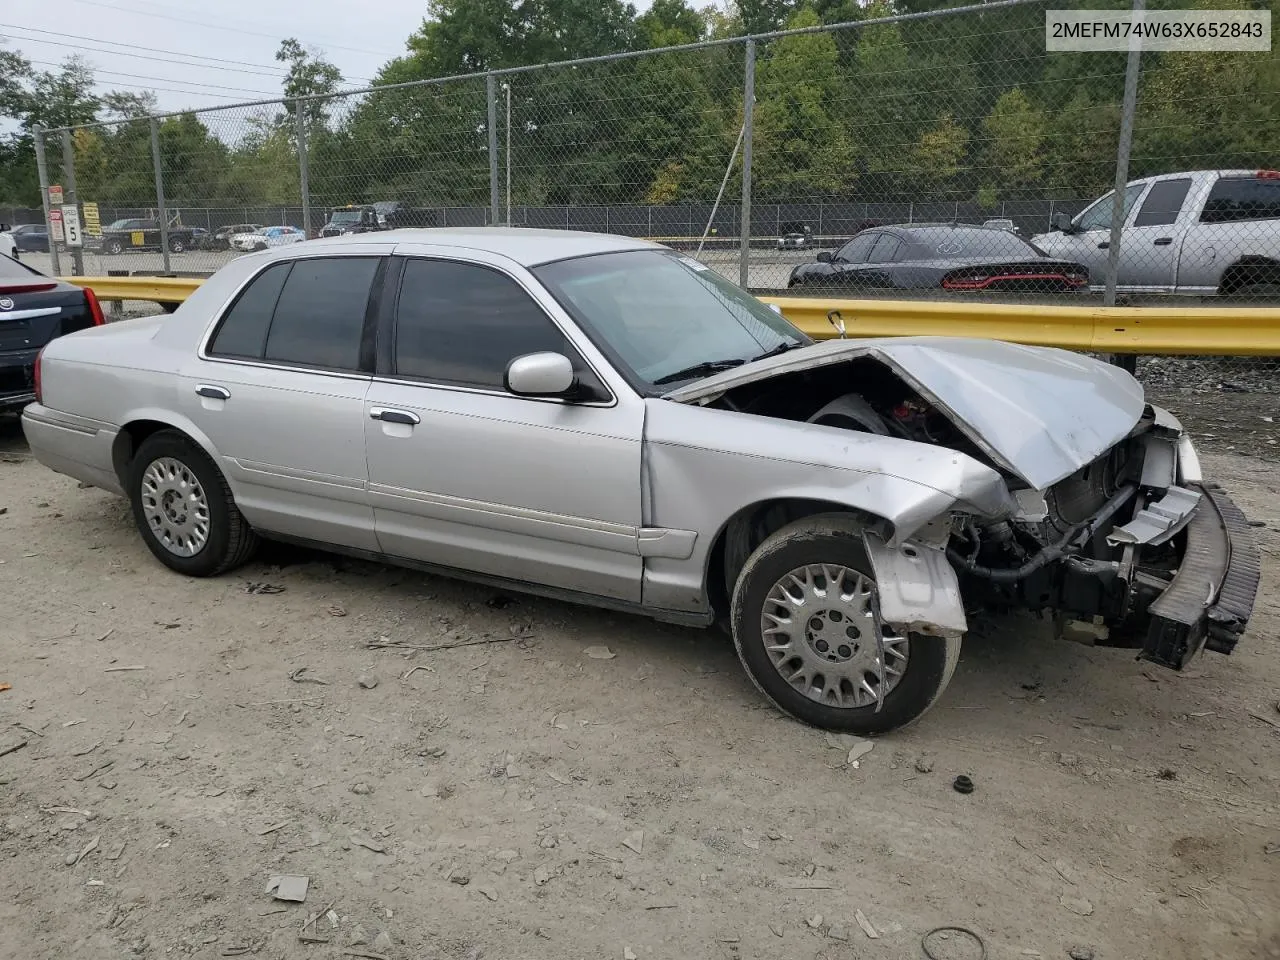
x: 279, y: 390
x: 463, y: 473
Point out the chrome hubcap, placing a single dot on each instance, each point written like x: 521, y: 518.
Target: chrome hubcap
x: 175, y: 507
x: 824, y: 637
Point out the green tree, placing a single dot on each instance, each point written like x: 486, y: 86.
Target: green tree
x: 880, y: 107
x: 309, y: 75
x: 940, y: 155
x: 800, y: 149
x: 1014, y: 133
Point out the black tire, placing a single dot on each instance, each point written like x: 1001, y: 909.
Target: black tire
x: 231, y: 541
x: 832, y: 539
x: 176, y: 245
x: 113, y: 247
x: 1269, y: 292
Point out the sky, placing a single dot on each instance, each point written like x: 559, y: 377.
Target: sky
x: 170, y: 47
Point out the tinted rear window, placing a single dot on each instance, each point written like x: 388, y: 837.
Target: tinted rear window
x: 947, y: 243
x: 243, y: 332
x: 13, y: 270
x: 319, y: 318
x: 1163, y: 203
x: 1242, y: 198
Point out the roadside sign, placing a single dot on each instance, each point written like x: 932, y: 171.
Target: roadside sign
x: 92, y: 220
x: 71, y: 223
x: 55, y: 225
x: 55, y: 195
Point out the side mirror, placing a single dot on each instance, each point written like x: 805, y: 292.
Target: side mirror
x: 824, y: 256
x: 540, y: 375
x: 1062, y: 222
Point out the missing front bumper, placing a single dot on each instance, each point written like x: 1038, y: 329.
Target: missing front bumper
x: 1211, y: 598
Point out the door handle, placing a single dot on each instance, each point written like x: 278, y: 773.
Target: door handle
x: 394, y: 416
x: 1104, y: 244
x: 212, y: 392
x: 1164, y: 241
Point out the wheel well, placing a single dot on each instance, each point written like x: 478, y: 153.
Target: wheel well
x: 127, y: 442
x: 750, y: 527
x: 1249, y: 270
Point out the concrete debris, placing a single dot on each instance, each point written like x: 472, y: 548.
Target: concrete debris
x: 628, y: 954
x: 367, y: 681
x: 289, y: 887
x: 634, y: 841
x: 924, y: 765
x: 1080, y: 953
x: 599, y: 652
x: 382, y: 942
x: 858, y: 751
x: 88, y: 848
x: 368, y: 844
x: 1077, y: 905
x: 865, y: 924
x: 815, y: 921
x: 361, y: 789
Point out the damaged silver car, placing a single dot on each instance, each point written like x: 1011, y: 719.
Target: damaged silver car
x: 604, y: 420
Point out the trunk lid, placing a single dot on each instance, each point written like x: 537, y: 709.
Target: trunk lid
x: 1039, y: 412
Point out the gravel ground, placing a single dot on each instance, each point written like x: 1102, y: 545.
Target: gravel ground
x: 536, y: 796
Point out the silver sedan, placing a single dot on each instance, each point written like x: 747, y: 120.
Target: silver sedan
x: 604, y: 420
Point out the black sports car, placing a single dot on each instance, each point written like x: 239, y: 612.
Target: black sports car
x: 941, y: 256
x: 35, y: 309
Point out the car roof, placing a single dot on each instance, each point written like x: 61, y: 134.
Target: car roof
x: 528, y: 247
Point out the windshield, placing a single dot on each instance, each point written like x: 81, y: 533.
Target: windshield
x: 656, y: 313
x: 121, y: 224
x: 345, y: 216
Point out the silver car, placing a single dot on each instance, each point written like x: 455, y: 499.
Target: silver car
x: 604, y: 420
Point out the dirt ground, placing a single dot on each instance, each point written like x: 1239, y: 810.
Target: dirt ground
x: 185, y: 741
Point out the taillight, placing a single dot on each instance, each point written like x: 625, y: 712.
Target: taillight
x: 95, y: 308
x: 973, y: 281
x: 36, y: 376
x: 1269, y: 174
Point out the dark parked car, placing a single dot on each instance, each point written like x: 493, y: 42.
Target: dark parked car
x: 35, y: 309
x: 941, y: 256
x: 31, y: 237
x: 220, y: 239
x: 140, y: 234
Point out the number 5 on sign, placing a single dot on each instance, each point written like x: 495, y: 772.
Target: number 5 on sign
x: 71, y: 223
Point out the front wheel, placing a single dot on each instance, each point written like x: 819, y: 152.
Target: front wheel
x: 806, y: 625
x: 176, y: 245
x: 184, y: 509
x: 113, y: 247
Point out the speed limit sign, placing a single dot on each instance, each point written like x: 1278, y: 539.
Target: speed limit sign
x: 71, y: 224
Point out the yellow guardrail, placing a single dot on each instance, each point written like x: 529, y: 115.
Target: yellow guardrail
x: 154, y: 289
x: 1191, y: 330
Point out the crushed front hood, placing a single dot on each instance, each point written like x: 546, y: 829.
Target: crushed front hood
x: 1039, y: 412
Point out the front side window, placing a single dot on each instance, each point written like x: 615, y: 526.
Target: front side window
x: 1098, y: 217
x: 856, y: 250
x: 462, y: 324
x: 659, y: 315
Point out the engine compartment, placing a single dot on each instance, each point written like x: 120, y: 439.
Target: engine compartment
x: 1054, y: 556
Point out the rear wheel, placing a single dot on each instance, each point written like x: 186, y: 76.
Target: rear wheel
x: 113, y: 247
x: 176, y: 245
x: 184, y: 509
x: 807, y: 629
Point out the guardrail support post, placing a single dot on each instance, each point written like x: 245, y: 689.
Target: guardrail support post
x: 491, y: 94
x: 42, y: 169
x: 69, y: 172
x: 163, y: 214
x: 748, y: 119
x: 304, y: 172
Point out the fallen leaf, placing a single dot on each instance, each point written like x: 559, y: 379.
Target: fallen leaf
x: 599, y: 653
x: 865, y: 924
x: 634, y: 841
x: 1077, y: 905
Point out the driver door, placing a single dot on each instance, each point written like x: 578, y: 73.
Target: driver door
x: 1090, y: 244
x: 465, y: 474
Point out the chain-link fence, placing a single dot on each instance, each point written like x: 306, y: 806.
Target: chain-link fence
x: 938, y: 154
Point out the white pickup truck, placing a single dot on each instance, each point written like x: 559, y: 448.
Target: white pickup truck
x: 1203, y: 233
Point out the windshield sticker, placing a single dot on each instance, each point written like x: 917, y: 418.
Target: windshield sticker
x: 693, y: 264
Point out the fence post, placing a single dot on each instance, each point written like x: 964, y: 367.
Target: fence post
x: 748, y: 120
x: 1127, y: 111
x: 491, y: 94
x: 69, y: 172
x: 304, y: 171
x: 42, y: 169
x: 163, y: 214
